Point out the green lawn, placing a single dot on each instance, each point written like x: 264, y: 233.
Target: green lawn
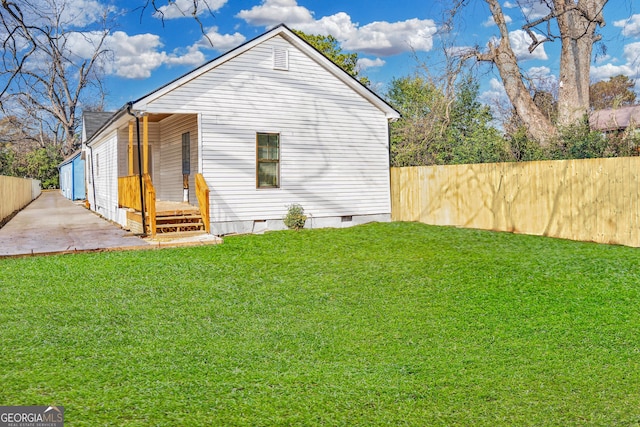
x: 383, y: 324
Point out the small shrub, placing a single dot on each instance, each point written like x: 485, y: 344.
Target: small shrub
x: 295, y: 217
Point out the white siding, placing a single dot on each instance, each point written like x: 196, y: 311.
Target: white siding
x: 334, y: 143
x: 123, y: 147
x: 104, y: 162
x: 168, y: 179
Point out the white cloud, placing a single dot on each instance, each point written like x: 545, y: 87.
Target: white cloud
x: 496, y: 97
x: 79, y: 13
x: 273, y: 12
x: 630, y: 27
x: 364, y: 63
x: 520, y: 42
x: 136, y: 57
x: 496, y: 91
x: 82, y: 45
x: 457, y: 51
x: 531, y: 9
x: 191, y: 58
x: 599, y: 59
x: 391, y: 38
x: 338, y: 25
x: 70, y: 14
x: 132, y: 57
x: 542, y: 78
x: 185, y: 8
x: 220, y: 42
x: 609, y: 70
x: 630, y: 68
x: 377, y: 38
x: 539, y: 72
x: 490, y: 22
x: 632, y: 53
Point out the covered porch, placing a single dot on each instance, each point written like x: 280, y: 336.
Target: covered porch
x: 159, y: 179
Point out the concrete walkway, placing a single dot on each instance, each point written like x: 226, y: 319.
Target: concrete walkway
x: 54, y: 224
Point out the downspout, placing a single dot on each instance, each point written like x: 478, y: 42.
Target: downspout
x: 73, y: 180
x: 93, y: 180
x: 142, y: 210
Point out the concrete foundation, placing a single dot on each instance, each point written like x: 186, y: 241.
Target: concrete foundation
x: 260, y: 226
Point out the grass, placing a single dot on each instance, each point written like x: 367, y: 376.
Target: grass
x: 383, y: 324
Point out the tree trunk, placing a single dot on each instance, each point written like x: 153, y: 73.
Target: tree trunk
x: 538, y: 125
x: 577, y: 24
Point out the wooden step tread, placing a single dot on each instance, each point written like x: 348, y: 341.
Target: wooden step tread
x: 179, y: 234
x: 180, y: 225
x: 174, y: 217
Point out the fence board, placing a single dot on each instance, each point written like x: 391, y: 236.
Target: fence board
x: 16, y: 193
x: 591, y: 200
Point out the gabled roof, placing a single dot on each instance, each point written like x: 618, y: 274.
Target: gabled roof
x: 293, y: 38
x: 92, y: 121
x: 282, y: 30
x: 615, y: 119
x: 70, y: 158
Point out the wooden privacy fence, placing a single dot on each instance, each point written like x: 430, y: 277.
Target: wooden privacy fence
x: 16, y: 193
x: 590, y: 200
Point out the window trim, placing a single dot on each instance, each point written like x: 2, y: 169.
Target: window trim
x: 259, y: 161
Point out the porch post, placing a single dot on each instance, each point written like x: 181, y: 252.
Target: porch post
x: 130, y: 152
x: 145, y: 132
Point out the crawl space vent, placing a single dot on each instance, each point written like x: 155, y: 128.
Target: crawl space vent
x: 280, y: 59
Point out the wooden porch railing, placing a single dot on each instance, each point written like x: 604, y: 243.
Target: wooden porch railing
x: 150, y: 203
x: 202, y: 193
x: 129, y: 197
x: 129, y: 192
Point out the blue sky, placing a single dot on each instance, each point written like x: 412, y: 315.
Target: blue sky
x: 387, y: 35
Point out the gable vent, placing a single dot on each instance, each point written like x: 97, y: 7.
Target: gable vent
x: 280, y: 59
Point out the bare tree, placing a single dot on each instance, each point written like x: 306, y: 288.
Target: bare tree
x: 49, y: 63
x: 194, y: 8
x: 576, y: 24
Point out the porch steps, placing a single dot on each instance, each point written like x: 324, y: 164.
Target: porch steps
x: 187, y: 220
x: 172, y: 236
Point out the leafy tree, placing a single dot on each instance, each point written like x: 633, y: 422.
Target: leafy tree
x: 623, y: 144
x: 613, y: 93
x: 578, y: 141
x: 523, y: 148
x: 7, y: 157
x: 330, y: 47
x: 417, y: 137
x: 439, y: 128
x: 42, y: 164
x: 470, y: 135
x: 574, y: 24
x: 25, y: 155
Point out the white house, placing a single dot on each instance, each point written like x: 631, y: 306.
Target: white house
x: 266, y: 125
